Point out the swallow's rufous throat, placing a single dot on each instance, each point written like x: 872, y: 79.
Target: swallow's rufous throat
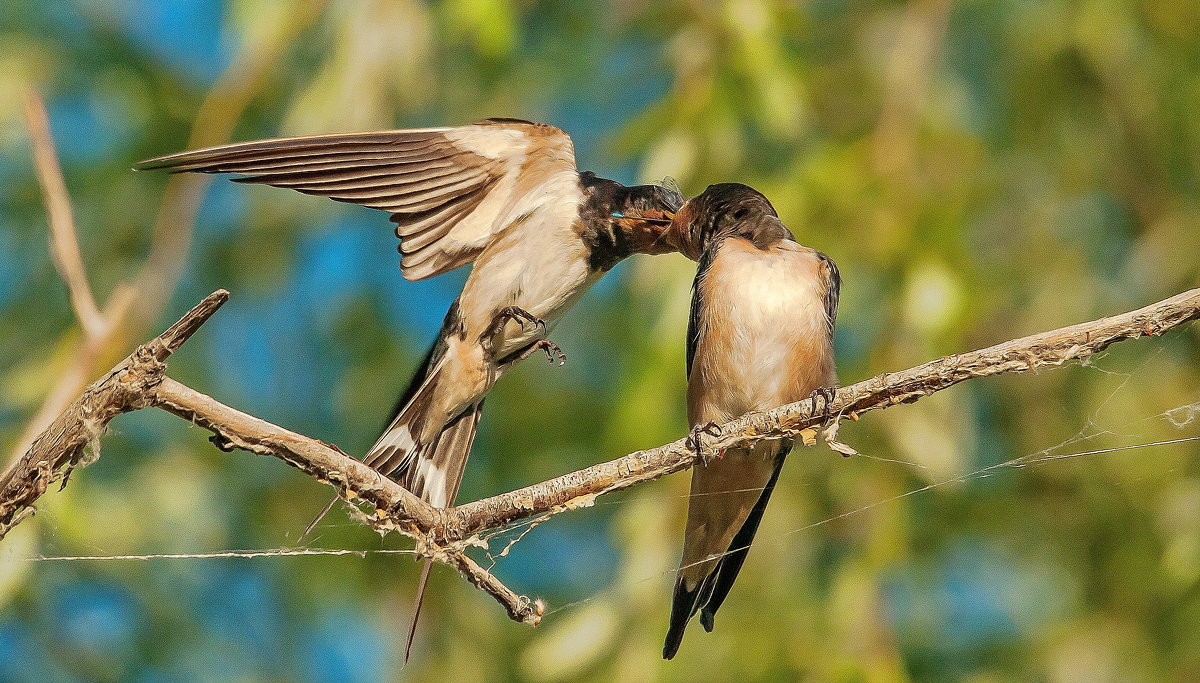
x: 503, y: 194
x: 760, y: 336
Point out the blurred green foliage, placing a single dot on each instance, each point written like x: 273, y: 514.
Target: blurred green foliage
x: 980, y: 170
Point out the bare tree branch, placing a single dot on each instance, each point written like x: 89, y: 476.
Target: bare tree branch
x: 128, y: 386
x: 1019, y: 355
x: 519, y: 607
x: 356, y: 481
x: 139, y: 381
x: 133, y: 307
x: 395, y: 509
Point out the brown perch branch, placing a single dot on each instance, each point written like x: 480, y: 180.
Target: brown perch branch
x: 139, y: 381
x: 133, y: 306
x: 1019, y: 355
x: 128, y: 386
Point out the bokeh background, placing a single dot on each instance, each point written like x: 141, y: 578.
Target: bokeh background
x: 980, y: 170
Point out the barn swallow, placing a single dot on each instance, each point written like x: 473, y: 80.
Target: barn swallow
x: 502, y: 194
x: 760, y: 335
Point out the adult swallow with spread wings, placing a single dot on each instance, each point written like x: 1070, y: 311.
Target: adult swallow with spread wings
x: 503, y: 194
x: 760, y: 335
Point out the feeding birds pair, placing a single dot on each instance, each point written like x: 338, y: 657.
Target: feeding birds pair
x: 505, y: 195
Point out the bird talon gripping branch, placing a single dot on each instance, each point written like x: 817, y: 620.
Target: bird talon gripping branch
x: 694, y: 442
x: 826, y: 393
x: 504, y: 315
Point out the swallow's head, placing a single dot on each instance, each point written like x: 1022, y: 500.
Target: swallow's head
x: 722, y: 210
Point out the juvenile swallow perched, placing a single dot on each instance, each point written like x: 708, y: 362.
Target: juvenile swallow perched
x: 760, y: 336
x: 503, y: 194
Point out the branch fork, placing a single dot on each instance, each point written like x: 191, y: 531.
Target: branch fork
x: 140, y: 381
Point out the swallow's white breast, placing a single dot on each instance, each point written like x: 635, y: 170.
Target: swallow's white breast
x: 538, y: 264
x: 764, y: 340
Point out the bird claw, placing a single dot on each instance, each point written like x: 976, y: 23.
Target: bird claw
x: 519, y: 314
x: 694, y: 441
x: 510, y: 313
x: 553, y: 352
x: 827, y: 394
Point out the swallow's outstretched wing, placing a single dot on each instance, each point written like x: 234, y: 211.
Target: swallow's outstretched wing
x: 450, y: 190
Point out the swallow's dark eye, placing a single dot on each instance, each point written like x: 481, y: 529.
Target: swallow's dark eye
x: 740, y: 214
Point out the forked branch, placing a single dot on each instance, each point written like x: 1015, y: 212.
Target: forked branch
x: 128, y: 386
x: 139, y: 381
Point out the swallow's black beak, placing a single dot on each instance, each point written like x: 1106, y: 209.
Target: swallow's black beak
x: 637, y: 216
x: 667, y: 218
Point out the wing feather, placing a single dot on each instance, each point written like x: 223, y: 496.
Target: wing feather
x: 380, y: 192
x: 362, y: 177
x: 437, y: 226
x: 411, y: 225
x: 450, y: 190
x: 320, y: 162
x: 695, y: 316
x: 832, y: 282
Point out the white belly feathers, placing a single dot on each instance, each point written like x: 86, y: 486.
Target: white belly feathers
x: 536, y: 265
x: 764, y: 314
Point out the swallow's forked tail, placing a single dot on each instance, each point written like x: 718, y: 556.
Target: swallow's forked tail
x: 447, y: 461
x: 702, y: 585
x: 396, y: 445
x: 431, y: 471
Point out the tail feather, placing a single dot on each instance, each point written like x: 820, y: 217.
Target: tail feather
x: 448, y: 460
x: 684, y: 604
x: 414, y: 385
x: 712, y: 590
x: 417, y: 601
x: 398, y: 447
x: 432, y: 471
x: 320, y: 515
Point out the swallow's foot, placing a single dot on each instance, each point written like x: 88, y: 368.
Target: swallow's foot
x: 553, y: 353
x: 827, y: 394
x: 694, y: 441
x: 515, y: 313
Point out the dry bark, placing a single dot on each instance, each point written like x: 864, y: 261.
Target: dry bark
x: 139, y: 381
x: 61, y: 447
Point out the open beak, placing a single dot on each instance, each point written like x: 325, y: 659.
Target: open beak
x: 670, y: 234
x: 668, y: 217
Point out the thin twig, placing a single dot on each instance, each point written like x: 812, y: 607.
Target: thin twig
x: 519, y: 607
x: 64, y: 239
